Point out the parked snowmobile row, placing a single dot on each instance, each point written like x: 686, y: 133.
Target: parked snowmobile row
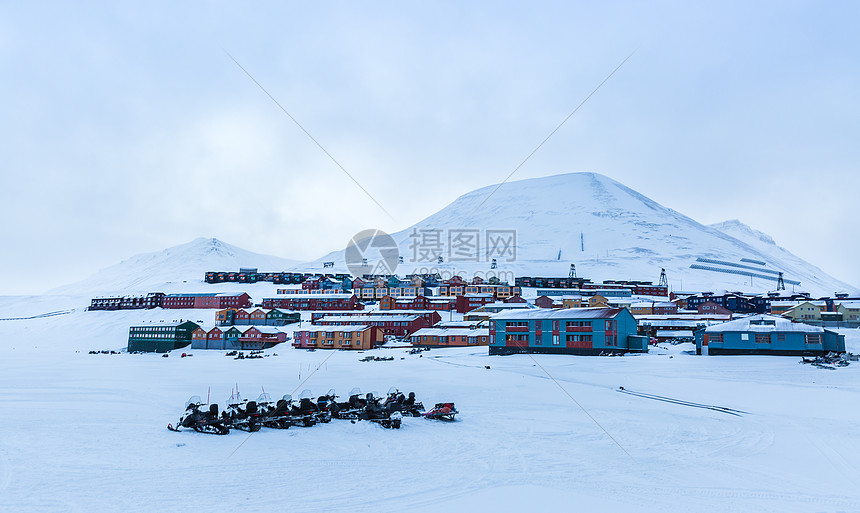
x: 251, y: 416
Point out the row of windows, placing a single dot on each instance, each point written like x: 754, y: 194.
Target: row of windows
x: 765, y: 338
x: 579, y: 338
x: 330, y: 334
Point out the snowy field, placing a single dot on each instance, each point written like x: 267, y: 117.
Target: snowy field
x: 87, y: 432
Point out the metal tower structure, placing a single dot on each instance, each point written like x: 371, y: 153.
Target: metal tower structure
x: 664, y: 282
x: 572, y: 273
x: 780, y: 283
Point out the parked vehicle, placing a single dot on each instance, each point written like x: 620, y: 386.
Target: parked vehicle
x: 242, y: 414
x: 442, y: 411
x: 202, y: 420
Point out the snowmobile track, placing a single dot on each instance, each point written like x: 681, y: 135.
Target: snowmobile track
x: 721, y: 409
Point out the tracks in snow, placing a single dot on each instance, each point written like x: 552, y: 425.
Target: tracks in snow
x: 721, y: 409
x: 48, y: 314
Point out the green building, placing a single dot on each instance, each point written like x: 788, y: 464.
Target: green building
x: 276, y: 317
x: 160, y: 337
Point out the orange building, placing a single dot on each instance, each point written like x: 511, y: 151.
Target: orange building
x: 337, y: 337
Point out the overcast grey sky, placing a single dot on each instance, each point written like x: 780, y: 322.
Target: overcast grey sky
x: 126, y: 128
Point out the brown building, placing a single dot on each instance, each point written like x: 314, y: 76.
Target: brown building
x: 337, y: 337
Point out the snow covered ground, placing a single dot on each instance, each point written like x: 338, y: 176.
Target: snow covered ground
x: 87, y: 432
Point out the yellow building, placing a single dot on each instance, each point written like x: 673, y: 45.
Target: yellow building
x: 850, y: 310
x: 805, y: 311
x: 571, y: 301
x: 597, y: 301
x: 642, y: 308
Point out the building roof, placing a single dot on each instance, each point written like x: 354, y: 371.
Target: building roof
x: 242, y: 328
x: 785, y: 303
x: 393, y: 311
x: 163, y: 324
x: 361, y: 327
x: 449, y: 332
x: 641, y: 304
x: 368, y: 318
x: 674, y: 333
x: 774, y: 323
x: 459, y: 324
x: 558, y: 313
x: 674, y: 323
x: 850, y: 304
x: 312, y: 296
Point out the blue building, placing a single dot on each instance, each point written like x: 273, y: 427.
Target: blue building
x: 583, y: 331
x: 767, y: 334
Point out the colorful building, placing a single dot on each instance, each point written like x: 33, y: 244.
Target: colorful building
x: 160, y: 337
x: 359, y: 337
x: 767, y: 334
x: 850, y: 310
x: 393, y: 325
x: 243, y: 338
x: 418, y: 302
x: 806, y: 311
x: 430, y: 317
x: 314, y: 302
x: 256, y: 316
x: 468, y: 302
x: 151, y: 300
x: 583, y: 331
x: 227, y: 300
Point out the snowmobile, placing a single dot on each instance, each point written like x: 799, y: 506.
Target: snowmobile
x: 396, y: 401
x: 277, y: 416
x: 242, y: 414
x: 442, y: 411
x: 307, y: 402
x: 352, y: 408
x: 328, y: 403
x: 375, y: 412
x: 202, y: 421
x: 304, y: 413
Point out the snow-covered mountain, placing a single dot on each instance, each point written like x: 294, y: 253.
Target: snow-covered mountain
x: 184, y: 264
x: 606, y: 229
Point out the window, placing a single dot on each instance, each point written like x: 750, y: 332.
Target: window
x: 745, y: 336
x: 516, y: 337
x: 579, y: 338
x: 716, y: 337
x: 780, y: 337
x: 813, y: 339
x: 762, y: 338
x: 578, y: 324
x: 555, y: 339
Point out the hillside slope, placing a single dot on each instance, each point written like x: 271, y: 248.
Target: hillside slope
x: 606, y: 229
x: 184, y: 264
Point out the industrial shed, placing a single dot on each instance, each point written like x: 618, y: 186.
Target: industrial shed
x: 767, y: 334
